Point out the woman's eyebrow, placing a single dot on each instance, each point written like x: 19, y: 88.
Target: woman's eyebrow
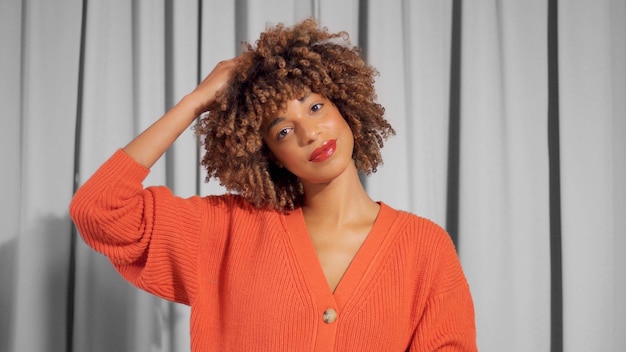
x: 274, y: 123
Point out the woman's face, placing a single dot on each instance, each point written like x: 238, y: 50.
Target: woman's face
x: 311, y: 139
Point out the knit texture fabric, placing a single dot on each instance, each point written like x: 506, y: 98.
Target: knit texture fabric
x: 253, y: 280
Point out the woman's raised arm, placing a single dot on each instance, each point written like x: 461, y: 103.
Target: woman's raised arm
x: 148, y: 147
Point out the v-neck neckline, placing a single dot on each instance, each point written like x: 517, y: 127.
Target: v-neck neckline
x: 310, y: 263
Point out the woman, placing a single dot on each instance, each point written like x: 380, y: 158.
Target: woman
x: 297, y: 257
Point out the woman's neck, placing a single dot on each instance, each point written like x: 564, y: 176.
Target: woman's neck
x: 340, y: 201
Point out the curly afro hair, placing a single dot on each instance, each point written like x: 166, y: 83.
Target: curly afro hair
x: 285, y: 64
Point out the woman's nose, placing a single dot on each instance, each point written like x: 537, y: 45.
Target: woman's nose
x: 309, y: 133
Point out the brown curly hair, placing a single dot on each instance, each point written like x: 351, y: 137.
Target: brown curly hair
x: 287, y: 63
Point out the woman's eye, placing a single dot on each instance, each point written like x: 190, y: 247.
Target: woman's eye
x: 282, y: 133
x: 316, y: 107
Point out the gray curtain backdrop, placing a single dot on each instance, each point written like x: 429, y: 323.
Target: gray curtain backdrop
x: 538, y: 214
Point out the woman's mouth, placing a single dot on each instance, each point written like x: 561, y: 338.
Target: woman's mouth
x: 324, y: 151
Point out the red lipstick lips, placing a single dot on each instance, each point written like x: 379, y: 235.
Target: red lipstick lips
x: 324, y: 151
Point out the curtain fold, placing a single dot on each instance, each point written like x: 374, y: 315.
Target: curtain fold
x: 504, y: 217
x: 412, y: 55
x: 11, y: 156
x: 39, y: 106
x: 141, y: 57
x: 593, y: 89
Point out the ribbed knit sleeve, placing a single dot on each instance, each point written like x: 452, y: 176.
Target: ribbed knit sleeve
x: 149, y: 235
x: 446, y: 322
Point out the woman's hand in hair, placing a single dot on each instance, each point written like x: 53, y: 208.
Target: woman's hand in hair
x: 206, y: 92
x: 148, y: 147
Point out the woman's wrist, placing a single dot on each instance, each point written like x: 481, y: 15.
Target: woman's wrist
x: 194, y: 103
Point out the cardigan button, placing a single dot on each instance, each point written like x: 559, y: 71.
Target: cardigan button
x: 329, y: 316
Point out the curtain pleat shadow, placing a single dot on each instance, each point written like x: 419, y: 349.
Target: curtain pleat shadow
x: 556, y: 275
x: 71, y: 284
x: 454, y: 132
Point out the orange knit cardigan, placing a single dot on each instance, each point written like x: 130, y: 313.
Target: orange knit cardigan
x: 253, y: 280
